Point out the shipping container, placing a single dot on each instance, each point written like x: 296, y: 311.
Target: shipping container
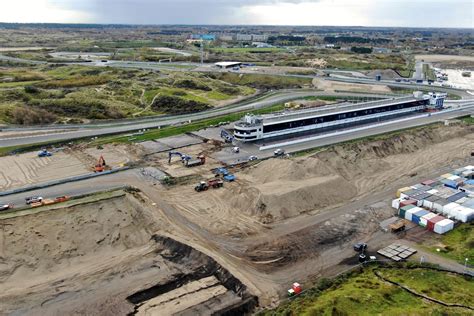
x: 464, y: 214
x: 443, y: 226
x: 432, y: 191
x: 429, y: 202
x: 396, y: 203
x: 404, y: 209
x: 457, y: 196
x: 439, y: 204
x: 416, y: 217
x: 432, y: 222
x: 450, y: 184
x: 409, y: 213
x: 399, y: 191
x: 458, y: 171
x: 425, y: 218
x: 407, y: 202
x: 451, y: 209
x: 446, y: 175
x: 428, y: 182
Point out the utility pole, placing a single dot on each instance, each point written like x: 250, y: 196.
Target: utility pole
x: 202, y: 51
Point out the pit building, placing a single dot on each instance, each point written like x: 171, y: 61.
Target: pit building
x: 252, y: 128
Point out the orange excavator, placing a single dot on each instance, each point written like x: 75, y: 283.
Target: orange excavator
x: 101, y: 165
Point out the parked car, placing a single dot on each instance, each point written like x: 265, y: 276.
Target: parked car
x: 33, y: 199
x: 251, y: 158
x: 4, y: 207
x: 279, y: 152
x: 360, y: 246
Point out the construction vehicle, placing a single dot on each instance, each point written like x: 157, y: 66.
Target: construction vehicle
x: 213, y: 183
x: 200, y: 160
x: 63, y: 198
x: 228, y: 138
x: 360, y: 247
x: 229, y: 177
x: 296, y: 289
x: 397, y: 227
x: 221, y: 171
x: 44, y: 153
x: 183, y: 157
x: 101, y: 165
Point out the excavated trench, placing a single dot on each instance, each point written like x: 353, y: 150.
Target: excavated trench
x: 177, y: 252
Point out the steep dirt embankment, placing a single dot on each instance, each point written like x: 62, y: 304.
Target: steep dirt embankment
x: 281, y: 188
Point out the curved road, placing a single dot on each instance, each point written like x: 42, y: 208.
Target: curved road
x: 117, y: 127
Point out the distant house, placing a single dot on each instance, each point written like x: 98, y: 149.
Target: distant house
x: 381, y: 50
x: 205, y: 37
x: 228, y: 64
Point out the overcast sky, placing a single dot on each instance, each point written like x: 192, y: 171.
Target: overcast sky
x: 422, y: 13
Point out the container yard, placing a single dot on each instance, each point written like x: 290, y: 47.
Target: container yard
x: 438, y: 203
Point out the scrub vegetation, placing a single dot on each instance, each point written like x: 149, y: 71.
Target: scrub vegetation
x: 364, y: 293
x: 69, y: 93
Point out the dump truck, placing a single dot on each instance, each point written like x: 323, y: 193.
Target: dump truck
x: 200, y: 160
x: 213, y: 183
x: 397, y: 227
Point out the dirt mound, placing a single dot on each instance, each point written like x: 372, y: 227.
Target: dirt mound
x: 385, y: 73
x: 280, y: 188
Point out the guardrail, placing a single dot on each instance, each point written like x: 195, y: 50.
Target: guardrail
x: 61, y: 181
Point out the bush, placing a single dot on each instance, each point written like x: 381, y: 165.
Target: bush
x: 75, y: 107
x: 31, y: 89
x: 361, y: 50
x: 177, y: 105
x: 191, y: 84
x: 25, y: 116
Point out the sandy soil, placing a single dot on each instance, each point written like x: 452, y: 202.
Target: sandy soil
x: 21, y: 170
x: 456, y: 79
x: 444, y: 58
x: 176, y: 167
x: 14, y: 49
x: 327, y: 85
x: 102, y: 258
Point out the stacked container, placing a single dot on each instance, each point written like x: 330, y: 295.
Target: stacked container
x: 432, y: 222
x: 404, y: 209
x: 416, y: 217
x: 425, y: 218
x: 443, y: 226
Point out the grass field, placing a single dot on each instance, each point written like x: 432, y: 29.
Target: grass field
x: 457, y: 244
x: 363, y: 293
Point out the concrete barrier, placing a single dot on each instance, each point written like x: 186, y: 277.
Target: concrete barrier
x: 61, y: 181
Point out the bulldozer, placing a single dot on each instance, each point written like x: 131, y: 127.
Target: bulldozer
x: 101, y: 165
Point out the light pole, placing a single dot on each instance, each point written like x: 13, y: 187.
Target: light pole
x: 465, y: 264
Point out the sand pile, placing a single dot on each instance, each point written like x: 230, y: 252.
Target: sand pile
x: 282, y: 188
x: 49, y: 241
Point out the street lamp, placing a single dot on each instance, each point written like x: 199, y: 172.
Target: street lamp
x: 465, y: 263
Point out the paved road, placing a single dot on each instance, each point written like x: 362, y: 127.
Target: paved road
x: 129, y: 126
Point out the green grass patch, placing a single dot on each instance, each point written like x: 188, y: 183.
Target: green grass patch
x: 468, y: 119
x: 181, y: 129
x: 457, y: 244
x: 363, y: 293
x: 253, y: 50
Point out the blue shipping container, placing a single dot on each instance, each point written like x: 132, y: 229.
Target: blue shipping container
x: 418, y: 215
x: 450, y: 184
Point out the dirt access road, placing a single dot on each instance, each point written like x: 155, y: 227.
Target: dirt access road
x: 268, y: 240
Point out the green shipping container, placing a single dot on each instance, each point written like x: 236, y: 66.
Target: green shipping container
x: 404, y: 209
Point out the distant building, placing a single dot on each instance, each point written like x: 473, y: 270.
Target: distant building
x: 226, y: 38
x: 205, y: 37
x: 381, y: 50
x: 228, y: 64
x: 243, y: 37
x: 260, y: 38
x: 262, y: 45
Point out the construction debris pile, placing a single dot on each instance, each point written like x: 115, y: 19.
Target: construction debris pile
x: 436, y: 203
